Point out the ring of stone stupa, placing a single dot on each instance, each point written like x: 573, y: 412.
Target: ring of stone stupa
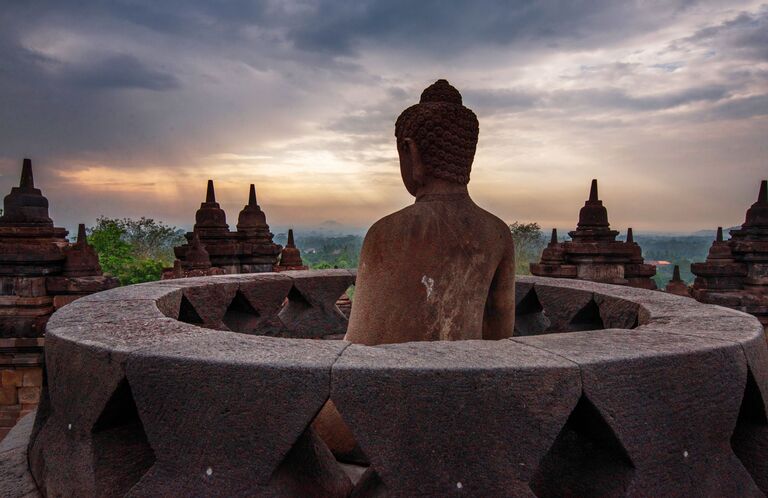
x: 604, y: 390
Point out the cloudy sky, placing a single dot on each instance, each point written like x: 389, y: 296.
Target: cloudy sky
x: 127, y: 107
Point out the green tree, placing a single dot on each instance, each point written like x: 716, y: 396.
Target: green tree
x: 529, y: 241
x: 134, y: 251
x: 152, y: 239
x: 320, y: 251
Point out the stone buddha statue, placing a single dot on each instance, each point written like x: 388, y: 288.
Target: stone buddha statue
x: 441, y: 268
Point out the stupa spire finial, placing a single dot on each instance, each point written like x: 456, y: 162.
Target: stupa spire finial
x: 630, y: 236
x: 27, y: 180
x: 252, y: 196
x: 81, y: 238
x: 762, y: 196
x: 676, y: 274
x: 290, y: 257
x: 210, y: 195
x: 553, y: 239
x: 593, y: 191
x: 719, y: 237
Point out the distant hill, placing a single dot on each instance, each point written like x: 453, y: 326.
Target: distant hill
x: 713, y: 233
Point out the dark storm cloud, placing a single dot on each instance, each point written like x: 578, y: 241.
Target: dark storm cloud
x: 519, y: 100
x: 132, y: 81
x: 442, y: 27
x: 118, y: 71
x: 340, y: 27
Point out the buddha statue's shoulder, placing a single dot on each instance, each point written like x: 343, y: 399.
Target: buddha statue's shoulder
x: 495, y: 223
x: 419, y: 219
x: 391, y: 223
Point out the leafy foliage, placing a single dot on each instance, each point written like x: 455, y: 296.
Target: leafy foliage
x: 134, y: 251
x: 679, y: 250
x: 529, y: 242
x: 322, y: 252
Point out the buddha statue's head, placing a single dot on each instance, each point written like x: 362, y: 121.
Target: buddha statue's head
x: 436, y: 138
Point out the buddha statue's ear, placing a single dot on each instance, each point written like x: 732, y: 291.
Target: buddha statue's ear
x: 418, y: 171
x: 411, y: 168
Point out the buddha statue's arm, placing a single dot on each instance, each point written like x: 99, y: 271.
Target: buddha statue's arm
x: 499, y: 317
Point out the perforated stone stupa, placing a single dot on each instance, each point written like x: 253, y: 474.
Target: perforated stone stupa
x: 201, y: 398
x: 197, y: 263
x: 594, y: 253
x: 40, y: 271
x: 677, y: 286
x: 735, y: 273
x: 249, y: 249
x: 290, y: 257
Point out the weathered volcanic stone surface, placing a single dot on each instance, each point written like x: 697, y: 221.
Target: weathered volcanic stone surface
x: 221, y: 413
x: 85, y: 368
x: 633, y: 378
x: 311, y: 308
x: 265, y: 298
x: 140, y: 404
x: 15, y: 479
x: 467, y: 417
x: 562, y: 304
x: 211, y: 301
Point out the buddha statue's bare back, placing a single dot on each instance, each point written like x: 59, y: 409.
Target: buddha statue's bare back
x: 440, y: 269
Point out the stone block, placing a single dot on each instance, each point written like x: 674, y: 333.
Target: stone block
x: 29, y: 395
x: 253, y: 401
x: 22, y: 342
x: 266, y: 296
x: 106, y: 311
x: 658, y: 396
x: 11, y: 378
x: 84, y: 367
x: 80, y: 285
x: 9, y: 396
x: 64, y: 299
x: 561, y: 304
x: 29, y: 286
x: 416, y: 410
x: 311, y: 307
x: 25, y: 359
x: 618, y: 313
x: 15, y: 478
x: 33, y: 377
x: 211, y: 301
